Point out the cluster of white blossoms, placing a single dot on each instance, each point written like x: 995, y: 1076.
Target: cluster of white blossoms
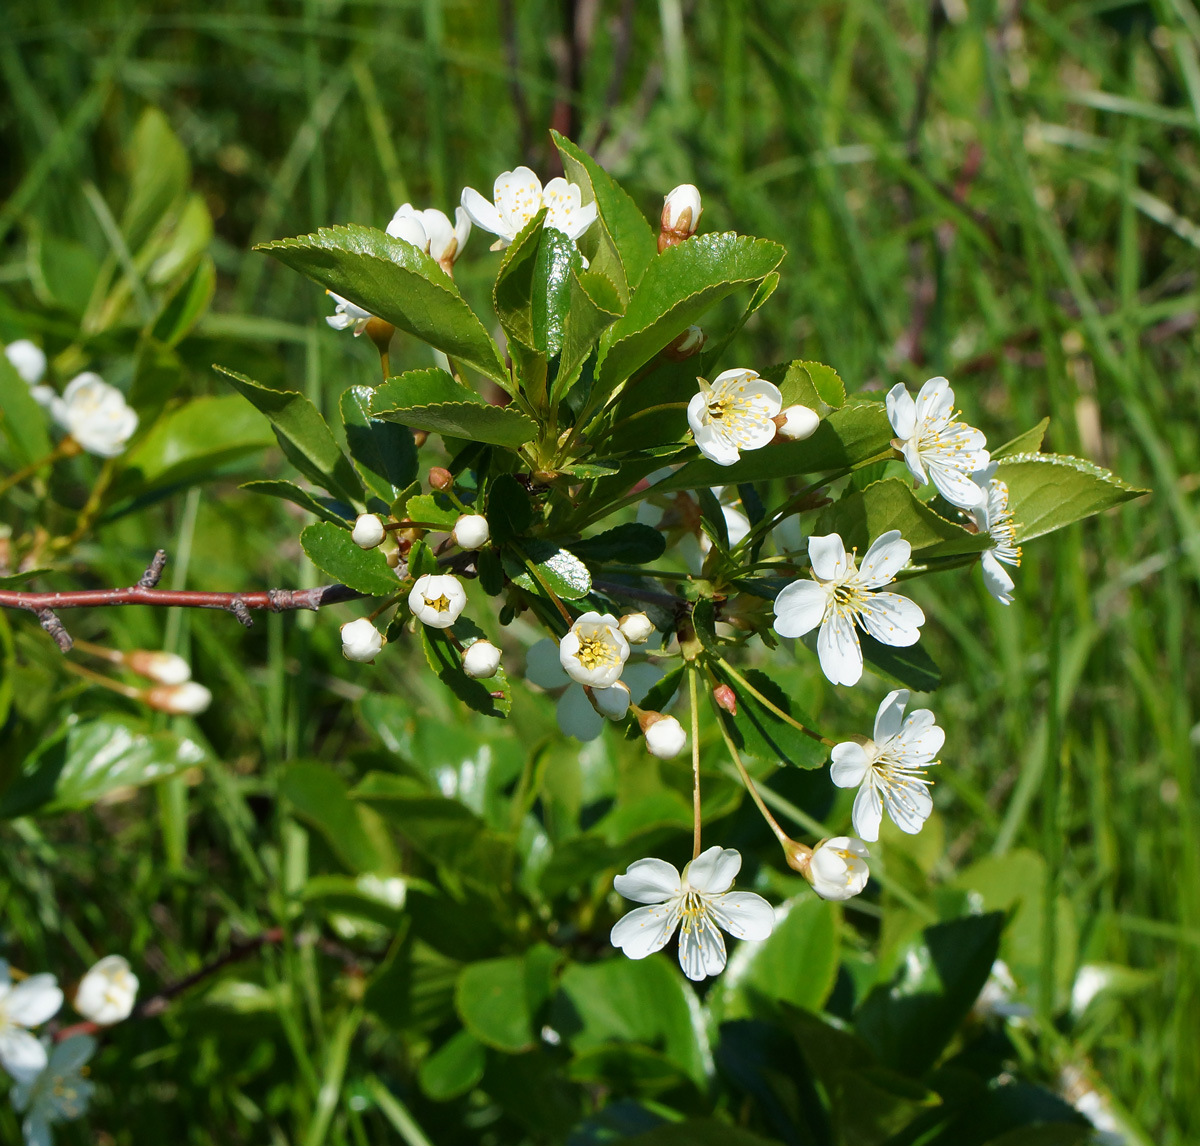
x: 518, y: 195
x: 49, y: 1083
x: 739, y: 411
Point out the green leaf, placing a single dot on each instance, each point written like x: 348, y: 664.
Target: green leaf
x: 477, y: 422
x: 631, y: 543
x: 499, y: 999
x: 699, y: 1132
x: 94, y: 760
x: 319, y: 796
x: 14, y: 579
x: 759, y: 731
x: 446, y: 661
x: 454, y: 1068
x: 509, y: 511
x: 419, y: 388
x: 434, y: 508
x: 860, y: 516
x: 1029, y: 442
x: 331, y: 550
x: 159, y: 176
x: 398, y: 283
x: 912, y: 667
x: 301, y: 497
x: 594, y: 306
x: 811, y: 384
x: 385, y: 452
x: 21, y: 418
x: 555, y: 269
x: 848, y: 436
x: 303, y: 436
x: 909, y: 1022
x: 1049, y: 491
x: 558, y: 569
x: 185, y: 307
x: 678, y: 287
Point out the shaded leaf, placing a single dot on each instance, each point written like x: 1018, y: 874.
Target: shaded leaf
x: 454, y: 1068
x: 631, y: 543
x: 331, y: 550
x: 498, y: 999
x: 446, y: 661
x: 385, y: 452
x: 913, y: 667
x: 301, y: 497
x: 762, y: 733
x: 509, y: 511
x: 320, y: 797
x: 21, y: 418
x: 559, y: 570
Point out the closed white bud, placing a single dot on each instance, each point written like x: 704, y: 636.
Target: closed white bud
x: 437, y: 600
x: 471, y: 531
x: 837, y: 868
x: 665, y: 737
x: 361, y: 641
x: 795, y: 423
x: 163, y: 668
x: 187, y: 699
x: 687, y: 345
x: 680, y: 215
x: 613, y: 702
x: 28, y: 359
x: 636, y: 628
x: 368, y: 531
x: 481, y: 660
x: 106, y: 994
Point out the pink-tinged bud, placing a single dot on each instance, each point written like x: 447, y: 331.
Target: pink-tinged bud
x: 795, y: 423
x: 726, y: 698
x: 440, y: 478
x: 162, y: 668
x: 680, y: 216
x: 187, y: 699
x: 687, y: 345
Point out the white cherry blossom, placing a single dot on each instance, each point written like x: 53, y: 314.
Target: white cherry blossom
x: 60, y: 1093
x: 348, y: 315
x: 26, y: 1004
x: 518, y: 196
x: 841, y: 595
x: 636, y: 628
x: 935, y: 446
x: 698, y: 903
x: 95, y: 414
x: 28, y: 359
x: 993, y: 516
x: 437, y: 600
x: 733, y: 413
x: 837, y: 868
x: 796, y: 423
x: 432, y: 231
x: 106, y: 994
x: 889, y: 771
x: 594, y: 652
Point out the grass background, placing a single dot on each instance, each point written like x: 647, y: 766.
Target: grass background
x: 1006, y: 193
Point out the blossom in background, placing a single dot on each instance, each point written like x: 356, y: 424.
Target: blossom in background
x: 348, y: 315
x: 28, y: 360
x: 889, y: 771
x: 698, y: 903
x: 187, y: 699
x: 936, y: 447
x: 837, y: 868
x: 59, y: 1093
x: 26, y: 1004
x: 840, y: 595
x: 518, y: 196
x: 106, y: 994
x: 361, y: 641
x: 733, y: 413
x: 160, y: 667
x: 432, y: 231
x: 437, y: 600
x: 992, y: 516
x: 594, y: 652
x: 95, y: 414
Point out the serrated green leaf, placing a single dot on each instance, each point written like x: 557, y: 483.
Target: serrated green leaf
x: 631, y: 543
x: 1049, y: 491
x: 331, y: 550
x: 762, y: 733
x: 301, y: 497
x: 397, y: 282
x: 419, y: 388
x: 558, y: 569
x: 1029, y: 442
x: 512, y: 294
x: 385, y: 452
x: 476, y: 422
x: 677, y: 288
x: 433, y: 508
x: 446, y: 661
x: 811, y: 384
x: 303, y: 435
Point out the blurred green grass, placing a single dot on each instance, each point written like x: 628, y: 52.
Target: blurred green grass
x: 1008, y: 194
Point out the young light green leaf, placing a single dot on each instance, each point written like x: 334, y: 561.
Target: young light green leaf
x: 303, y: 435
x: 384, y: 451
x: 475, y: 421
x: 301, y: 497
x: 398, y: 283
x: 428, y: 507
x: 1029, y: 442
x: 811, y: 384
x: 331, y: 550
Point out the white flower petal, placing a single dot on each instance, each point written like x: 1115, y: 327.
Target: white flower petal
x: 850, y: 762
x: 714, y: 870
x: 714, y: 444
x: 996, y: 579
x: 909, y: 804
x: 901, y: 411
x: 744, y: 915
x: 701, y: 950
x: 890, y: 716
x: 954, y: 485
x: 827, y: 556
x: 912, y: 458
x: 483, y: 213
x: 920, y: 739
x: 644, y: 930
x: 518, y: 197
x: 936, y: 400
x: 21, y: 1054
x: 34, y: 1001
x: 867, y: 813
x: 839, y: 652
x: 800, y: 608
x: 889, y: 553
x: 892, y: 619
x: 649, y: 881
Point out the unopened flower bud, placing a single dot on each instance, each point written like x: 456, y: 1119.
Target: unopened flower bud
x: 726, y: 698
x: 680, y: 216
x: 687, y: 345
x: 187, y: 699
x: 440, y: 478
x: 162, y: 668
x: 665, y: 736
x: 471, y: 531
x: 636, y: 628
x: 613, y: 701
x: 837, y: 868
x: 795, y: 423
x: 437, y: 600
x: 481, y: 660
x: 368, y: 531
x: 361, y: 641
x: 106, y: 994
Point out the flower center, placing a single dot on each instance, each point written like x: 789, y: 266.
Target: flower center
x: 596, y: 651
x: 693, y: 913
x: 441, y: 604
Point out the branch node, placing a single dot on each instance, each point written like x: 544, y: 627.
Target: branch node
x: 50, y: 622
x: 279, y: 600
x: 154, y: 571
x: 239, y: 609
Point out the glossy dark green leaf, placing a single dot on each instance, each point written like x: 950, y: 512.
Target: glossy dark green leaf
x: 474, y: 421
x: 320, y: 797
x: 385, y: 452
x: 762, y: 733
x: 555, y: 270
x: 331, y: 550
x: 512, y: 294
x: 429, y: 387
x: 558, y: 570
x: 677, y: 288
x: 301, y: 497
x: 446, y: 661
x: 22, y: 421
x: 433, y: 508
x: 454, y: 1068
x: 593, y: 307
x: 628, y: 544
x: 912, y: 667
x: 509, y: 511
x: 910, y: 1021
x: 400, y: 284
x: 303, y: 435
